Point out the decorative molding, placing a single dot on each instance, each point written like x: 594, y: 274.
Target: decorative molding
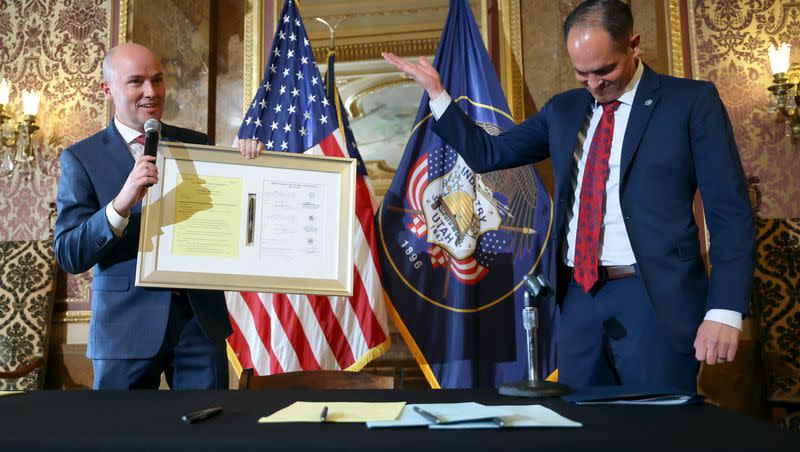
x: 253, y: 50
x: 676, y: 41
x: 372, y: 50
x: 72, y: 317
x: 123, y: 21
x: 512, y: 63
x: 352, y: 103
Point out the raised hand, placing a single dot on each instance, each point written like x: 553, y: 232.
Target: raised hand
x: 423, y: 72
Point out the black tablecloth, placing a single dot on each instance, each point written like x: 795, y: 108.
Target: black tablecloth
x: 150, y: 420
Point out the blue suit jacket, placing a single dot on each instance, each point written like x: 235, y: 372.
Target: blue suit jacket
x: 678, y: 137
x: 128, y: 322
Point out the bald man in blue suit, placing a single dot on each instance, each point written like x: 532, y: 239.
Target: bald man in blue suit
x: 136, y: 333
x: 651, y: 314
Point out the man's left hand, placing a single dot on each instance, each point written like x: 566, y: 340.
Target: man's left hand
x: 716, y: 342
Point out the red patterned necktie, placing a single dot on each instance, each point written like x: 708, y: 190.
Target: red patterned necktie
x: 593, y: 190
x: 139, y: 139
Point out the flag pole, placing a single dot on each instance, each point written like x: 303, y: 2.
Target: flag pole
x: 332, y: 28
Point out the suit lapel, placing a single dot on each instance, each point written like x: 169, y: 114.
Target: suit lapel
x: 644, y: 103
x: 117, y: 150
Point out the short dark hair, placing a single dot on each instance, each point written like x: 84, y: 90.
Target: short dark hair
x: 613, y: 16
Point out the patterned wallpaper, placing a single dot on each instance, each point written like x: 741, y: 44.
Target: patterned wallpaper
x: 730, y: 49
x: 56, y: 47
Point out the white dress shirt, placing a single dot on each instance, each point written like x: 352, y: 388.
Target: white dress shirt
x: 616, y: 247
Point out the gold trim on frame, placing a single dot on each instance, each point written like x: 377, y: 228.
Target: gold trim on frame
x: 355, y: 110
x: 511, y: 64
x: 676, y: 40
x: 692, y: 38
x: 72, y: 317
x: 123, y: 21
x: 253, y: 50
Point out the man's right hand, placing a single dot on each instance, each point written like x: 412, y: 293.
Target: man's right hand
x: 250, y: 148
x: 144, y: 174
x: 423, y: 72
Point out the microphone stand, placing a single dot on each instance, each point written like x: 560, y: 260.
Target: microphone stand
x: 533, y: 386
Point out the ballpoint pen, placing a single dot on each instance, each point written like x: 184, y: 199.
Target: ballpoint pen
x: 427, y: 415
x: 498, y: 421
x: 201, y: 415
x: 324, y: 414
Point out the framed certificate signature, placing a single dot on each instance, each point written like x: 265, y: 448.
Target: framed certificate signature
x: 280, y: 223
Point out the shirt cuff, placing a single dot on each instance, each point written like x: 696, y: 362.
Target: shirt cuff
x: 440, y: 104
x: 117, y: 222
x: 726, y: 316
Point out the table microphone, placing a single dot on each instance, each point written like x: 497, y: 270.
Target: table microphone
x: 533, y: 386
x: 152, y: 133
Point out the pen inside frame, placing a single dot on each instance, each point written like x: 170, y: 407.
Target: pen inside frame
x: 251, y: 219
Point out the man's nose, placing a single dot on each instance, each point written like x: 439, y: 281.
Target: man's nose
x: 147, y: 88
x: 595, y: 82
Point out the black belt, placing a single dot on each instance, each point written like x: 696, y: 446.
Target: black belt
x: 609, y: 272
x: 617, y: 271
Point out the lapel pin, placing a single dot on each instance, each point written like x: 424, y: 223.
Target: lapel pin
x: 648, y: 102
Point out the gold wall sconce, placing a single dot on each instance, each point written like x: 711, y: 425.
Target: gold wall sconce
x: 783, y: 91
x: 16, y: 135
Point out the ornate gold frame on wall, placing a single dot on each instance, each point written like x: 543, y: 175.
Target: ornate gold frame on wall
x: 260, y: 24
x: 510, y: 44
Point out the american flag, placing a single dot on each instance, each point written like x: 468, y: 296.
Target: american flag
x: 276, y: 333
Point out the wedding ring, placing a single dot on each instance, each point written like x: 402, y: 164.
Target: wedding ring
x: 720, y: 359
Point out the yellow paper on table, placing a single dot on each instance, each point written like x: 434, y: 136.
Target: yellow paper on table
x: 337, y: 412
x: 2, y: 393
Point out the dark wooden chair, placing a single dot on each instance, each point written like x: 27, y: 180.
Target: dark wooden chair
x: 317, y: 379
x: 24, y: 369
x: 776, y: 305
x: 27, y: 294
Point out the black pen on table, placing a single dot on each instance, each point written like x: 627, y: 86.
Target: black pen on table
x: 498, y: 421
x: 324, y: 414
x: 201, y: 415
x: 427, y: 415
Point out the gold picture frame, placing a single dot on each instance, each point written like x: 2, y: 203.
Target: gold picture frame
x: 281, y: 223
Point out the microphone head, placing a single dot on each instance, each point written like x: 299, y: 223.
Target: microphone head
x: 152, y: 125
x: 537, y: 285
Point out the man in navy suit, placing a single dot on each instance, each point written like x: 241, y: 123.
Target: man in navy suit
x: 629, y: 152
x: 136, y: 333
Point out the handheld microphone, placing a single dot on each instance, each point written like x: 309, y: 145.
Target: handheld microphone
x: 152, y: 133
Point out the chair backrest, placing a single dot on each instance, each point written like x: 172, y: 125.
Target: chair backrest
x: 776, y: 306
x: 316, y: 379
x: 27, y: 293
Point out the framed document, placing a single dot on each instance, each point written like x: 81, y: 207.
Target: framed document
x: 280, y: 223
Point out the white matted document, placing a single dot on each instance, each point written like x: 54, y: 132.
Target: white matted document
x: 282, y: 222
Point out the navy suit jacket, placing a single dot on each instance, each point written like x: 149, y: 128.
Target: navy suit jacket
x: 128, y: 322
x: 678, y: 137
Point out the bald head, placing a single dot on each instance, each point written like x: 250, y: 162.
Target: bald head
x: 133, y: 79
x: 127, y: 50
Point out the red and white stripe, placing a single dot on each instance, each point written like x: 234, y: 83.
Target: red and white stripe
x: 276, y: 333
x: 417, y: 182
x: 439, y: 256
x: 468, y: 270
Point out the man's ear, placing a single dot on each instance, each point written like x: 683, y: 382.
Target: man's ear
x: 634, y: 44
x: 106, y: 87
